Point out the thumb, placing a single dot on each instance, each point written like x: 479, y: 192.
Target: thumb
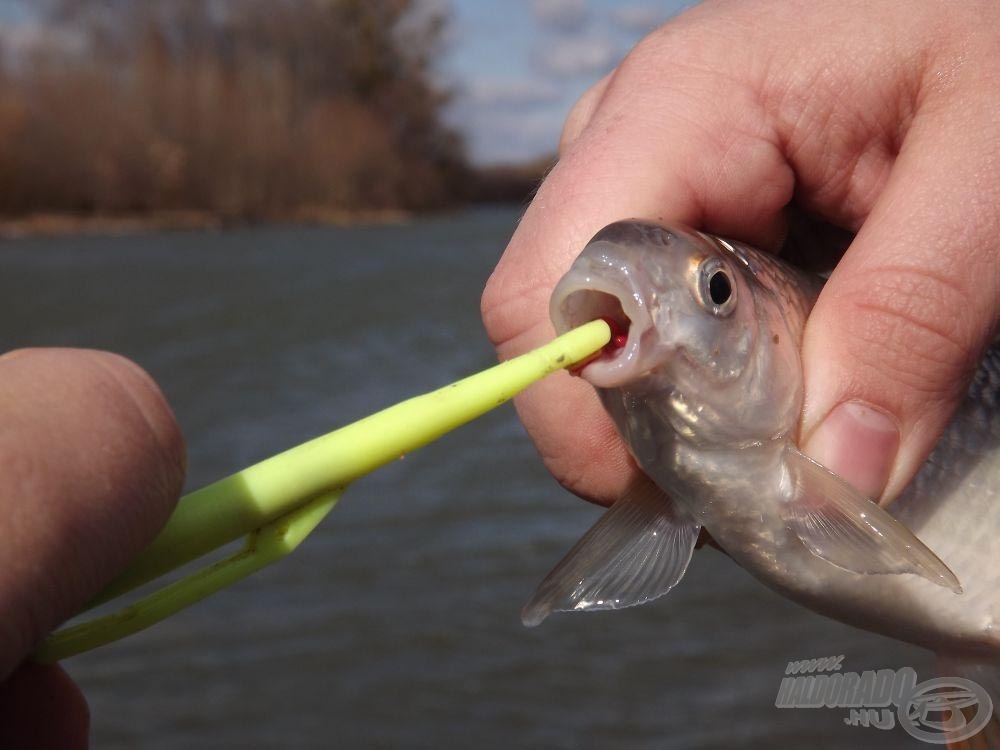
x: 92, y: 463
x: 891, y: 346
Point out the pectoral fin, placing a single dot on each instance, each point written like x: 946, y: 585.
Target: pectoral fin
x: 637, y: 551
x: 845, y: 528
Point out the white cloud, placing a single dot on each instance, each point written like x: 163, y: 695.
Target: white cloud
x: 509, y: 120
x: 524, y: 92
x: 639, y: 17
x: 578, y: 56
x: 19, y: 39
x: 564, y: 15
x: 516, y: 137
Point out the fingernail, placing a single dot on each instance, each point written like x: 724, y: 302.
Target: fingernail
x: 858, y: 442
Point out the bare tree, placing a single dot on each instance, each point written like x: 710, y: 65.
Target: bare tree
x: 246, y: 108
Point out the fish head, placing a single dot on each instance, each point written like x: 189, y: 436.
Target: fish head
x: 707, y: 341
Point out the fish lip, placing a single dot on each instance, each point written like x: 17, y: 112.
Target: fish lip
x: 583, y: 295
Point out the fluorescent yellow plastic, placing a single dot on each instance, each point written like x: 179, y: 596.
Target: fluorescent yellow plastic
x: 279, y: 501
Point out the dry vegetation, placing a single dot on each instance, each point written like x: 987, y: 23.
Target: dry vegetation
x: 243, y: 109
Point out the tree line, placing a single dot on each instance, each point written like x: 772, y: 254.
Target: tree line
x: 240, y: 108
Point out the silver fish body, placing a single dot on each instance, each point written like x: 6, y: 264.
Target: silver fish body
x: 707, y: 393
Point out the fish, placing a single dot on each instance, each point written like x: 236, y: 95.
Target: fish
x: 703, y: 381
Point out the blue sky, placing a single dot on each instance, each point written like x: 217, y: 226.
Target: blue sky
x: 518, y: 65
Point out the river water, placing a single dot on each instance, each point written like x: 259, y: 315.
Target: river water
x: 396, y: 624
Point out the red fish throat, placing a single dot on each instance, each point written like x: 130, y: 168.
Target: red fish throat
x: 619, y: 338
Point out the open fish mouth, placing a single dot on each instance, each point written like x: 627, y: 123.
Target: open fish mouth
x: 580, y: 298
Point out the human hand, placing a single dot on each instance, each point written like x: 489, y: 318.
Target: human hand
x: 880, y: 118
x: 92, y: 463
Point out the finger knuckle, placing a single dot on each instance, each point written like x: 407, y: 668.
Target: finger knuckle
x: 580, y: 115
x: 911, y: 329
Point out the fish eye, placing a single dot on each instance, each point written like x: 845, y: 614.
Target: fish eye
x: 719, y: 287
x: 716, y: 288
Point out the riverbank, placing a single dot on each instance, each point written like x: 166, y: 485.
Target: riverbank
x: 501, y: 184
x: 54, y: 224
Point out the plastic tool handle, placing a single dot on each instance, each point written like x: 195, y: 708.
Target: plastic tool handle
x: 260, y: 496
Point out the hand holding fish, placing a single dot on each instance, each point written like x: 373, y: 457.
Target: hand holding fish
x: 84, y: 434
x: 728, y: 365
x: 878, y: 118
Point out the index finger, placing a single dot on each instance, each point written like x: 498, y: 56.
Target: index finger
x: 658, y: 146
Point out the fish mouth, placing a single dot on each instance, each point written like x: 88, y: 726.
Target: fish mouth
x: 581, y: 298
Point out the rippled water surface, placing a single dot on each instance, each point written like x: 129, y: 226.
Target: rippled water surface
x: 396, y: 624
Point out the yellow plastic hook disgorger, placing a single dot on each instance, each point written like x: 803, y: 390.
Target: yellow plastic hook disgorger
x: 278, y: 502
